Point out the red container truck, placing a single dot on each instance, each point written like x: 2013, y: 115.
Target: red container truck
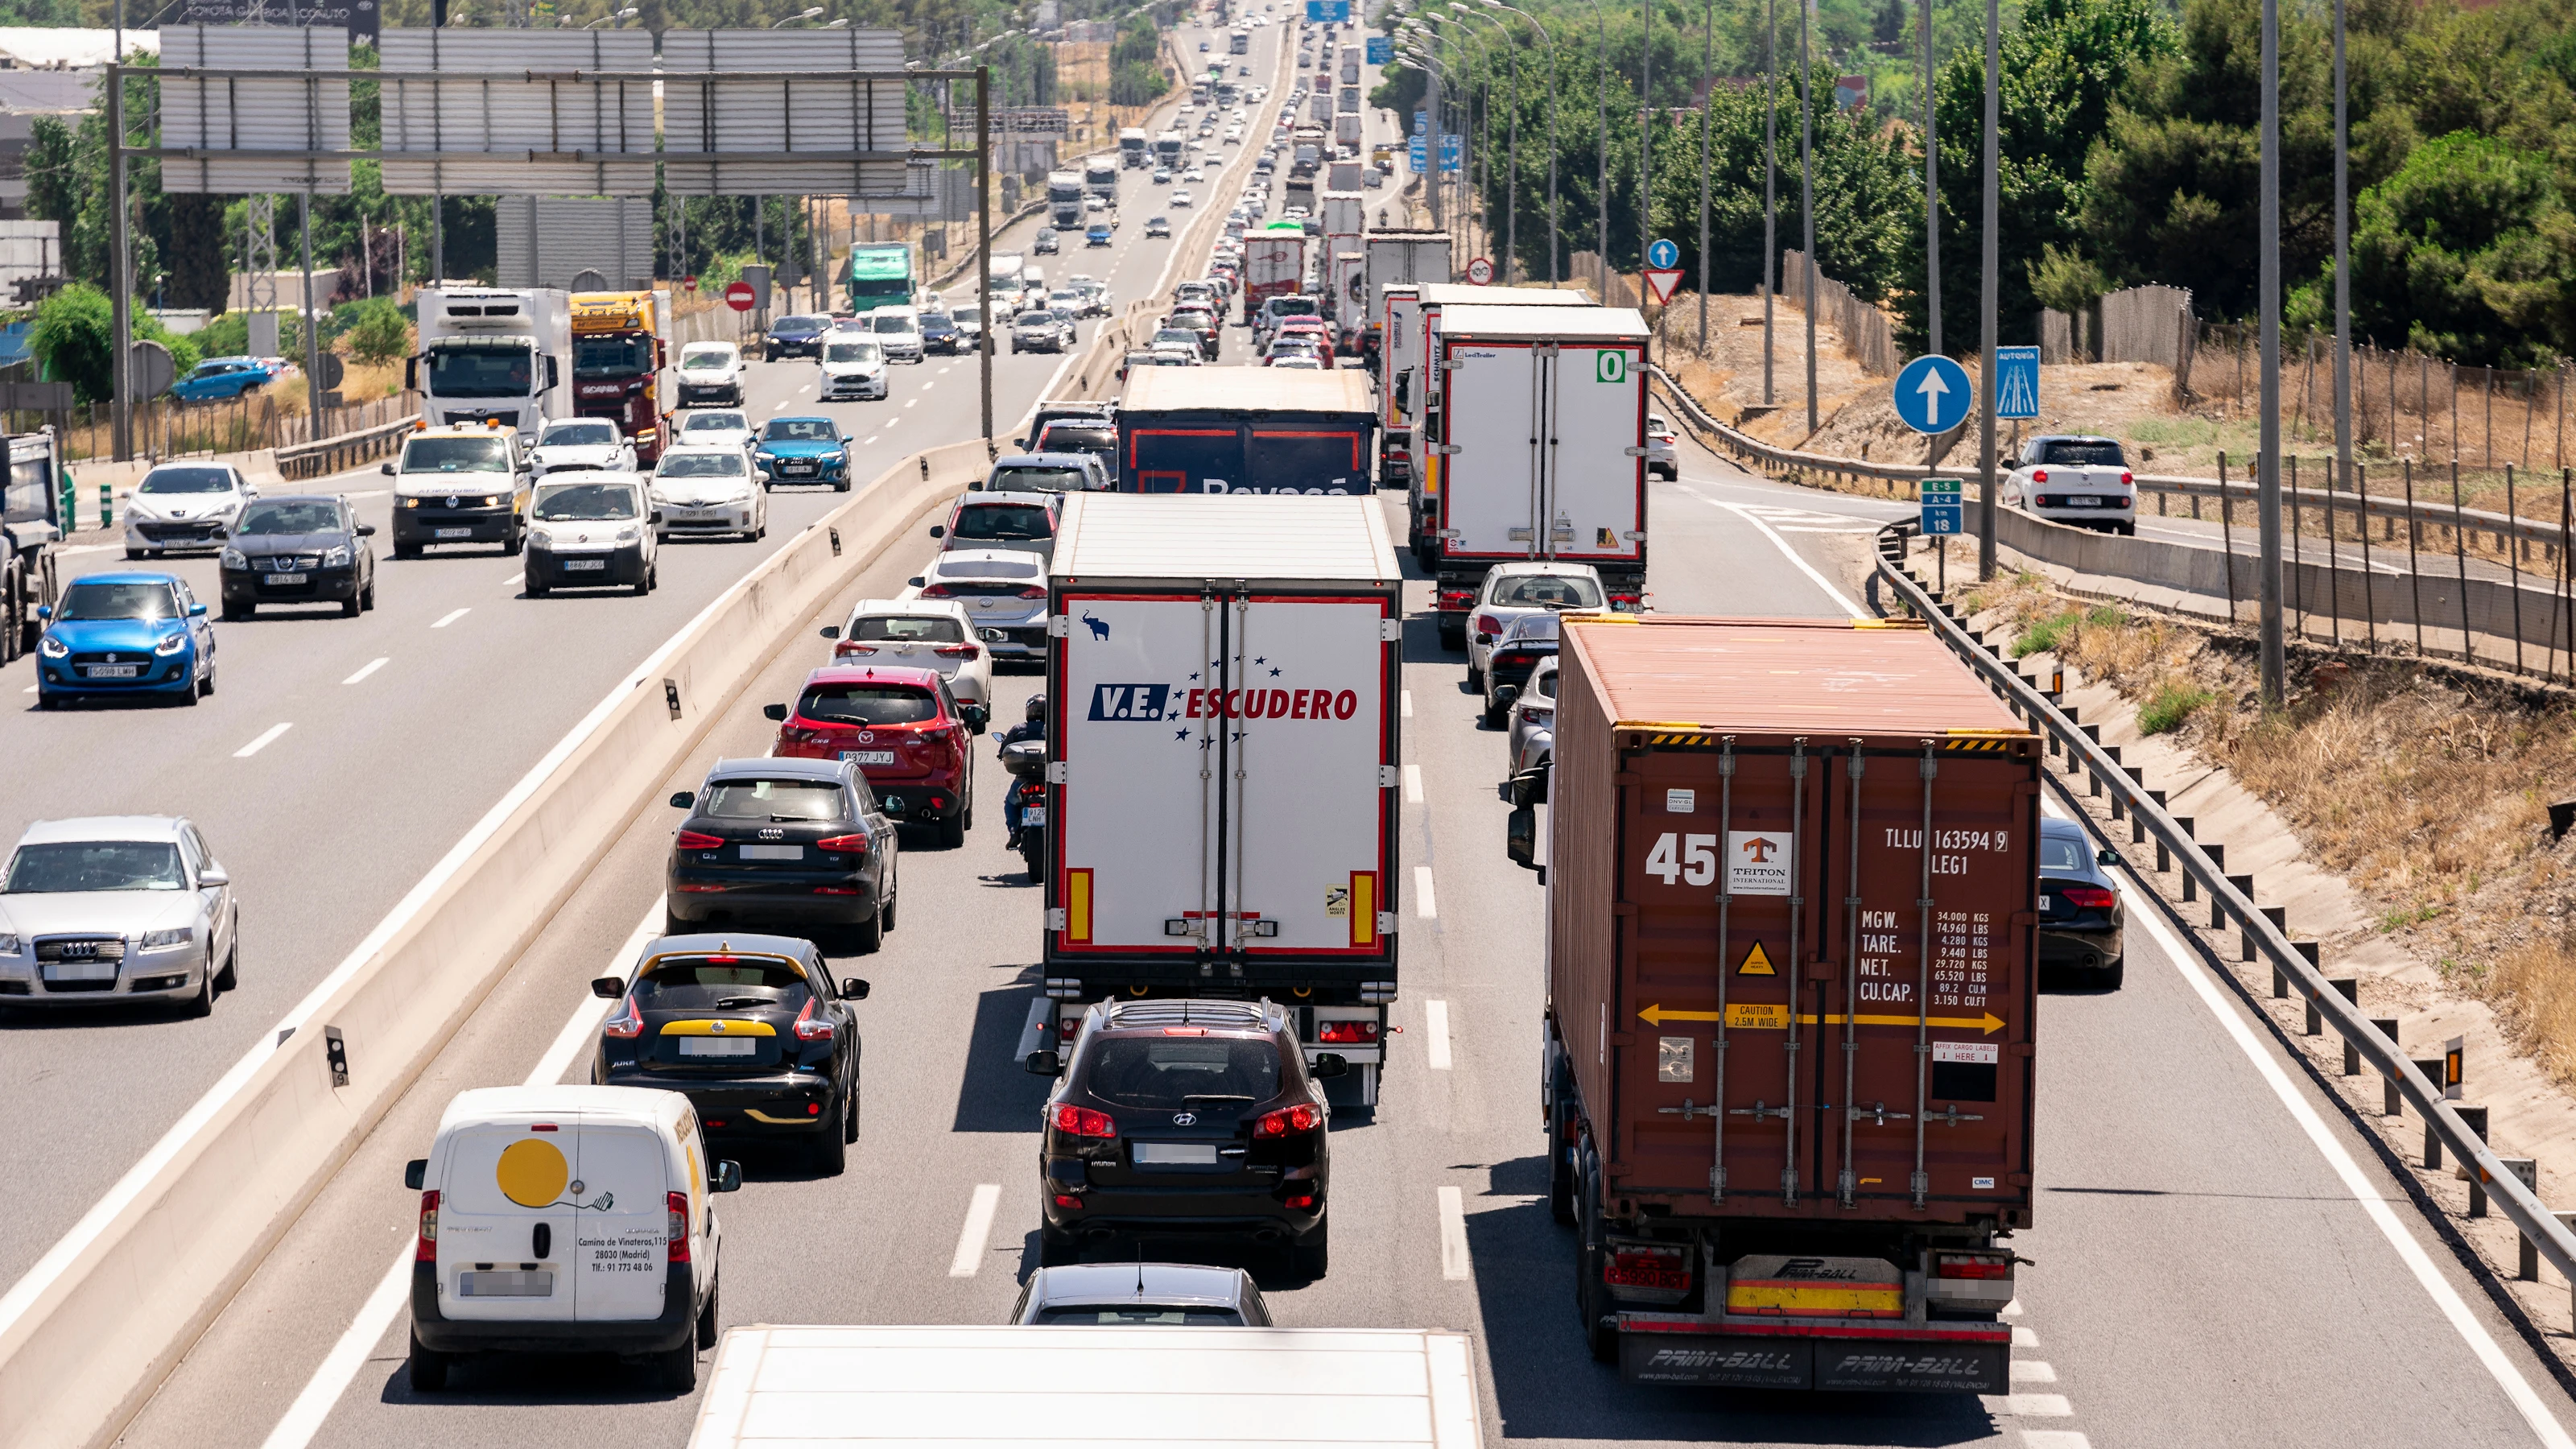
x: 1792, y: 883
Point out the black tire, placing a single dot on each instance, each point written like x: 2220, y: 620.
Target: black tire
x: 406, y: 550
x: 843, y: 486
x: 206, y: 686
x: 196, y: 691
x: 201, y: 1005
x: 868, y: 937
x: 677, y: 1369
x: 1492, y: 718
x: 428, y: 1368
x: 1475, y: 679
x: 367, y: 596
x: 229, y: 979
x: 644, y: 582
x: 45, y: 700
x: 673, y: 926
x: 1560, y: 1167
x: 511, y: 545
x: 535, y: 590
x: 350, y: 606
x: 829, y: 1153
x: 233, y: 613
x: 850, y: 1118
x: 892, y: 901
x: 134, y: 553
x: 1056, y: 1250
x: 707, y: 1316
x: 1312, y: 1258
x: 1591, y: 1299
x: 952, y: 831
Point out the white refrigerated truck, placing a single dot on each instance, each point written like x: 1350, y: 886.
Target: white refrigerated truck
x: 1407, y: 382
x: 1097, y: 1384
x: 1224, y: 761
x: 490, y: 355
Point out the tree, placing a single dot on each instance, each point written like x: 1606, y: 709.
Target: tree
x: 74, y: 337
x: 2469, y: 251
x: 379, y: 334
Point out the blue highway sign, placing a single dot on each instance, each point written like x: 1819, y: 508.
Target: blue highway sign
x: 1944, y: 510
x: 1933, y: 395
x: 2016, y: 382
x: 1381, y: 49
x: 1661, y: 253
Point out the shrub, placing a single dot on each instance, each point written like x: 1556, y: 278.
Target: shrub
x: 2171, y: 704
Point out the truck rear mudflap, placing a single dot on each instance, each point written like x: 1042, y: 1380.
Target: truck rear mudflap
x: 1656, y: 1348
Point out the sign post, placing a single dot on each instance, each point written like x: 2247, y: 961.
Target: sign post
x: 1945, y: 514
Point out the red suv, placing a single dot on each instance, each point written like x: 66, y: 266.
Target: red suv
x: 904, y: 731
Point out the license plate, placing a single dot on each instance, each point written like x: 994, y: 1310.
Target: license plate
x: 773, y: 852
x: 282, y: 578
x: 115, y: 671
x: 719, y: 1046
x: 508, y: 1283
x: 1198, y: 1154
x: 1033, y: 815
x: 452, y: 533
x: 2082, y: 502
x: 581, y: 565
x: 796, y: 468
x: 868, y: 757
x: 90, y: 970
x: 2044, y: 905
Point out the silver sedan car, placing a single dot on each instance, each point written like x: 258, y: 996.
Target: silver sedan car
x: 1005, y: 594
x: 1532, y: 722
x: 116, y: 908
x: 1173, y: 1295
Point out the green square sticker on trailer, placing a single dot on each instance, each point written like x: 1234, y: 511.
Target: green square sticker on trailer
x: 1609, y: 365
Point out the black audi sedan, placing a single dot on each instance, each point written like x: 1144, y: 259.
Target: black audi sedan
x: 752, y: 1028
x: 1186, y: 1118
x: 299, y: 549
x: 785, y: 842
x: 2080, y: 923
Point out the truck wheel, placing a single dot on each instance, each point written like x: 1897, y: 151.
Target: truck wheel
x: 1560, y: 1166
x: 428, y: 1368
x: 1591, y: 1299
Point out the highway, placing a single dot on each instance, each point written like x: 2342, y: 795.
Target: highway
x: 2210, y: 1265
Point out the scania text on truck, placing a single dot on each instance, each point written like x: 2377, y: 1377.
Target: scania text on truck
x: 1224, y: 759
x: 1411, y: 384
x: 31, y: 529
x: 1790, y: 1024
x: 1396, y: 257
x: 489, y: 354
x: 1132, y: 152
x: 1236, y: 430
x: 619, y: 350
x: 879, y: 274
x: 1064, y: 198
x: 1274, y: 265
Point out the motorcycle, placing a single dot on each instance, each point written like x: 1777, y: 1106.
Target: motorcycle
x: 1024, y: 808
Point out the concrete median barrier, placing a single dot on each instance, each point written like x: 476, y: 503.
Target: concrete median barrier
x: 95, y: 1325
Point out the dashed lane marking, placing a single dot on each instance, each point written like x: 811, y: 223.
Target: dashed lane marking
x: 2024, y: 1338
x: 1408, y: 704
x: 1435, y: 1031
x: 978, y: 1228
x: 370, y: 667
x: 1413, y: 784
x: 266, y: 738
x: 2054, y: 1439
x: 2033, y: 1371
x: 450, y: 617
x: 1422, y: 902
x: 2028, y: 1406
x: 1454, y: 1263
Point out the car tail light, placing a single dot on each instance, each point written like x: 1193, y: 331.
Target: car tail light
x: 1531, y: 714
x: 1488, y: 624
x: 700, y: 840
x: 427, y: 1250
x: 1971, y: 1265
x: 1299, y: 1200
x: 936, y: 591
x: 848, y: 650
x: 2039, y: 475
x: 626, y: 1023
x: 2126, y: 479
x: 811, y: 1028
x: 2088, y: 897
x: 1032, y: 592
x: 1067, y: 1200
x: 1304, y: 1117
x: 844, y: 844
x: 678, y: 1203
x: 957, y: 651
x: 1083, y: 1122
x: 1346, y: 1033
x: 1647, y: 1265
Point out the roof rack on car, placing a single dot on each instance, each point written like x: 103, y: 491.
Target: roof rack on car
x: 1187, y: 1012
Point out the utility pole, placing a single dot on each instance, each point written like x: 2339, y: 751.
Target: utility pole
x: 313, y: 393
x: 1807, y: 197
x: 1931, y: 196
x: 1431, y: 142
x: 1989, y: 282
x: 2343, y: 276
x: 1708, y: 88
x: 2267, y: 461
x: 1646, y: 136
x: 1601, y: 180
x: 984, y: 238
x: 120, y: 276
x: 1770, y: 180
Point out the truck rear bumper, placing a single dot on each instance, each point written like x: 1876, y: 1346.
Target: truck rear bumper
x: 1659, y: 1348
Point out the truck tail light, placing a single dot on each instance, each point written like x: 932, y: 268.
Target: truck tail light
x: 426, y: 1250
x: 1346, y: 1033
x: 700, y: 840
x: 1304, y: 1117
x: 1064, y: 1029
x: 2088, y: 897
x: 678, y: 1204
x: 1660, y: 1266
x: 1083, y: 1122
x: 811, y: 1028
x: 844, y: 844
x: 626, y: 1023
x: 1971, y: 1265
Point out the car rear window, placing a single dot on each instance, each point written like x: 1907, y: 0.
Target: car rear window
x: 1548, y: 591
x: 908, y: 629
x: 771, y: 800
x: 1148, y: 1314
x: 1174, y: 1071
x: 1060, y: 439
x: 868, y: 704
x: 2057, y: 852
x: 1036, y: 480
x: 2083, y: 455
x: 1010, y: 522
x: 719, y: 983
x: 95, y: 865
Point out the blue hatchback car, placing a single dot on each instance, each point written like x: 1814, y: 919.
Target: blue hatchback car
x: 218, y: 378
x: 125, y: 634
x: 803, y: 450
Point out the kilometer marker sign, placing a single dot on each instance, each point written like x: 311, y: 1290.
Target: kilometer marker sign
x: 1774, y: 1018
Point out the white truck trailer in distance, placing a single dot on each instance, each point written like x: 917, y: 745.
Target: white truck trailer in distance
x: 489, y: 354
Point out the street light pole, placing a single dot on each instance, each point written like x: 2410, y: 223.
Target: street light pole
x: 1511, y: 144
x: 984, y: 239
x: 1553, y: 273
x: 1989, y: 283
x: 2267, y: 462
x: 1601, y: 180
x: 1770, y: 181
x: 1807, y: 198
x: 1931, y: 197
x: 2343, y: 275
x: 1707, y: 107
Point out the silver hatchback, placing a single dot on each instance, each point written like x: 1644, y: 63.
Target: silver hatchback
x: 116, y: 908
x: 1005, y: 593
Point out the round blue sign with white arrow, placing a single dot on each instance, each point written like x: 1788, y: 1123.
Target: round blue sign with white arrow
x: 1933, y: 395
x: 1661, y: 253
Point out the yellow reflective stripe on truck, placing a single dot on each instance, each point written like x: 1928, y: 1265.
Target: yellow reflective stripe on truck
x: 1794, y: 1298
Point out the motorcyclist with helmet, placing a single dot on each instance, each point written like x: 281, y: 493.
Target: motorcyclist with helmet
x: 1028, y: 786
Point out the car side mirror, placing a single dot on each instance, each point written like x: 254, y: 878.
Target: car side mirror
x: 366, y: 530
x: 915, y: 581
x: 2108, y: 856
x: 683, y: 799
x: 1328, y: 1065
x: 976, y: 716
x: 416, y: 1172
x: 196, y: 611
x: 1044, y: 1062
x: 774, y: 711
x: 608, y: 988
x: 44, y: 611
x: 385, y: 468
x: 938, y: 530
x: 213, y: 877
x: 1504, y: 694
x: 830, y: 631
x: 1520, y: 836
x: 855, y: 988
x: 726, y: 1178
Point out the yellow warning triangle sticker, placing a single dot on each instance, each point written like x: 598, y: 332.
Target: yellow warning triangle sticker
x: 1756, y: 963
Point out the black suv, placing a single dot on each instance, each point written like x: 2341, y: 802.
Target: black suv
x: 790, y: 841
x: 1186, y: 1117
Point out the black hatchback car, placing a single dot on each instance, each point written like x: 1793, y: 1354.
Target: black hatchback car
x: 2079, y: 908
x: 1186, y: 1117
x: 794, y: 337
x: 752, y: 1028
x: 785, y: 841
x: 299, y: 549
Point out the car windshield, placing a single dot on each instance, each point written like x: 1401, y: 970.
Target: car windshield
x: 891, y: 324
x: 2068, y: 454
x: 1174, y: 1072
x: 95, y: 865
x: 2063, y: 853
x: 706, y: 356
x: 1037, y: 319
x: 1547, y: 591
x: 145, y: 601
x: 698, y: 983
x: 771, y: 800
x: 907, y: 629
x: 456, y: 455
x: 187, y: 480
x: 715, y: 423
x: 702, y: 465
x: 468, y: 371
x: 851, y: 352
x: 585, y: 502
x: 1018, y: 522
x: 578, y: 435
x: 801, y: 430
x: 796, y: 325
x: 1034, y: 480
x: 1177, y: 336
x: 284, y: 517
x: 1144, y: 1313
x: 623, y: 356
x: 868, y: 704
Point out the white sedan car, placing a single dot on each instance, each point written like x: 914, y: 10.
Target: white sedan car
x: 709, y: 489
x: 706, y: 429
x: 185, y: 505
x: 115, y: 909
x: 579, y: 443
x: 917, y: 634
x: 711, y: 372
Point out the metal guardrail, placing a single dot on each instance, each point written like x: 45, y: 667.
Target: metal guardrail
x: 330, y: 455
x: 2542, y: 1230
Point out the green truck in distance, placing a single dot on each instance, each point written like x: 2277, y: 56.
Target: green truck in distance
x: 879, y: 274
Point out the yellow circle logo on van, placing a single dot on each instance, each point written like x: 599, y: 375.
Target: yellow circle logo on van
x: 532, y: 1172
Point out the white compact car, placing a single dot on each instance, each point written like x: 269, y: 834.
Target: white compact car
x: 711, y: 372
x: 1004, y: 591
x: 917, y: 634
x: 569, y: 444
x: 116, y: 909
x: 593, y: 530
x: 2080, y: 480
x: 1512, y: 590
x: 185, y: 505
x: 707, y: 429
x: 710, y: 489
x: 854, y: 366
x: 898, y: 331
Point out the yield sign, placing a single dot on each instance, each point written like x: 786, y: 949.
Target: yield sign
x: 1660, y: 282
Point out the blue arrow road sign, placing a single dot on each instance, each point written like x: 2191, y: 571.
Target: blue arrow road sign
x: 1933, y: 395
x: 2016, y: 382
x: 1944, y: 510
x: 1661, y: 254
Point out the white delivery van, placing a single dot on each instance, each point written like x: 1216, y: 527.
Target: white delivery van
x: 566, y: 1219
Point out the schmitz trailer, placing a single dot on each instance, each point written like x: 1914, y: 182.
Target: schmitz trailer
x: 1793, y: 888
x: 1397, y: 258
x: 1231, y: 430
x: 1101, y: 1382
x: 1223, y: 759
x: 1541, y: 437
x: 1409, y: 384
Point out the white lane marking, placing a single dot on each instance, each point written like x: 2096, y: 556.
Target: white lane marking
x: 1422, y: 903
x: 2024, y: 1338
x: 1413, y: 784
x: 780, y: 406
x: 2482, y: 1344
x: 977, y: 1228
x: 2013, y: 1309
x: 1841, y: 600
x: 2054, y: 1439
x: 450, y: 617
x: 339, y: 1368
x: 1454, y: 1263
x: 866, y: 442
x: 266, y: 738
x: 2028, y: 1406
x: 927, y: 386
x: 1408, y: 704
x: 907, y: 402
x: 2032, y: 1371
x: 1435, y: 1028
x: 30, y: 689
x: 514, y: 581
x: 367, y: 492
x: 370, y: 667
x: 1803, y: 528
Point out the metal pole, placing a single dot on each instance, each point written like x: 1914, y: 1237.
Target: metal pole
x: 984, y: 236
x: 1646, y: 136
x: 1601, y: 177
x: 1807, y: 199
x: 1931, y: 198
x: 1989, y: 283
x: 2267, y: 462
x: 1770, y: 180
x: 2343, y: 282
x: 120, y: 275
x: 1431, y: 143
x: 1512, y: 166
x: 313, y: 393
x: 1707, y: 113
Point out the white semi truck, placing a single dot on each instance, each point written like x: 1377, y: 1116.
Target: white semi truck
x: 492, y: 355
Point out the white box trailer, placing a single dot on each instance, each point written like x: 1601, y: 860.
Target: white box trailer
x: 820, y: 1387
x: 1407, y: 382
x: 1541, y: 439
x: 1224, y: 734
